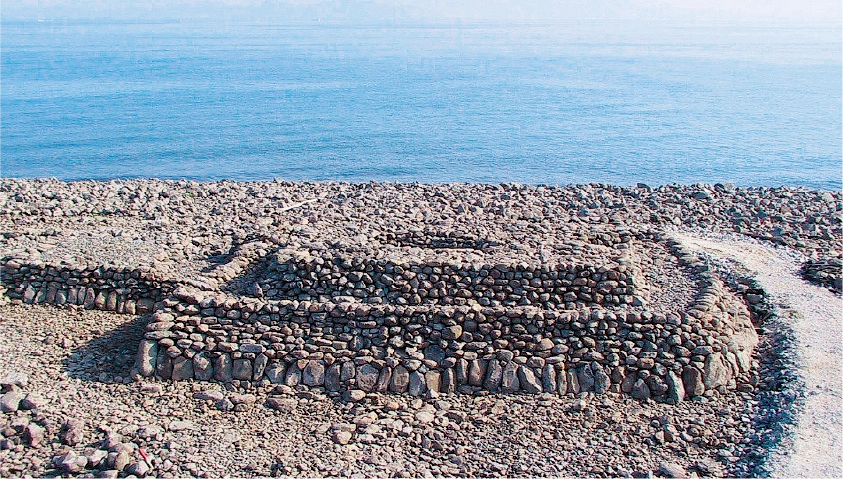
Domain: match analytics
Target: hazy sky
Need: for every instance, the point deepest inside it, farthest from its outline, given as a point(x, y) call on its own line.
point(790, 12)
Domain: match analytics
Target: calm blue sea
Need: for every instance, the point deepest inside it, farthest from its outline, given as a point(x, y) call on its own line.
point(555, 104)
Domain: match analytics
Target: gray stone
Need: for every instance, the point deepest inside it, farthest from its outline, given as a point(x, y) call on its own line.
point(182, 369)
point(313, 373)
point(434, 353)
point(209, 395)
point(586, 377)
point(384, 378)
point(242, 369)
point(70, 462)
point(72, 432)
point(16, 379)
point(223, 368)
point(528, 381)
point(95, 457)
point(545, 344)
point(640, 390)
point(33, 434)
point(494, 376)
point(33, 401)
point(448, 381)
point(509, 381)
point(332, 377)
point(147, 355)
point(293, 377)
point(461, 372)
point(692, 381)
point(400, 380)
point(10, 402)
point(476, 372)
point(347, 371)
point(675, 388)
point(602, 382)
point(341, 437)
point(252, 348)
point(353, 395)
point(282, 404)
point(432, 380)
point(562, 381)
point(549, 384)
point(671, 469)
point(416, 386)
point(203, 370)
point(275, 372)
point(367, 377)
point(716, 372)
point(261, 360)
point(573, 380)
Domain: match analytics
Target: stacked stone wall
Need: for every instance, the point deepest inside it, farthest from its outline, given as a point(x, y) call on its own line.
point(416, 349)
point(123, 290)
point(380, 281)
point(203, 335)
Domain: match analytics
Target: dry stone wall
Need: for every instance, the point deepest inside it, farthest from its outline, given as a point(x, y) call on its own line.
point(124, 290)
point(416, 349)
point(205, 334)
point(380, 281)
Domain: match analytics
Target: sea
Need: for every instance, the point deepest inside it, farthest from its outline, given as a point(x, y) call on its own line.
point(538, 103)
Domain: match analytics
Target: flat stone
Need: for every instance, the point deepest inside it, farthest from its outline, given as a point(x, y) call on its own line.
point(180, 425)
point(10, 402)
point(528, 381)
point(276, 372)
point(209, 395)
point(671, 469)
point(424, 417)
point(282, 404)
point(353, 395)
point(16, 379)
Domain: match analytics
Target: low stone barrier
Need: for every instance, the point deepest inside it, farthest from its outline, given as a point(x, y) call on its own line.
point(203, 335)
point(307, 277)
point(123, 290)
point(414, 349)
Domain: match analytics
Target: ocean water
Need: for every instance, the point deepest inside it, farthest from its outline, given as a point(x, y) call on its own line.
point(559, 103)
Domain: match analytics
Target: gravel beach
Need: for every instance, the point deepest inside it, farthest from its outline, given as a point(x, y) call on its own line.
point(586, 285)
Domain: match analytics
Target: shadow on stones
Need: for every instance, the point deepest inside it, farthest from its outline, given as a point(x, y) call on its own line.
point(108, 357)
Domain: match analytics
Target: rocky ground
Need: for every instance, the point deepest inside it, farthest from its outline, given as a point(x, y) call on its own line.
point(69, 405)
point(78, 412)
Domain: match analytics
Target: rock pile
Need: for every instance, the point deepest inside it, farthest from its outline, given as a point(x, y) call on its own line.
point(826, 272)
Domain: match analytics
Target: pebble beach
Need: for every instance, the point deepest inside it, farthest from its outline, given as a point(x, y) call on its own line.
point(186, 258)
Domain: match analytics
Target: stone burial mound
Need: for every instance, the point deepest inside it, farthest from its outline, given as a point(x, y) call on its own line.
point(424, 312)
